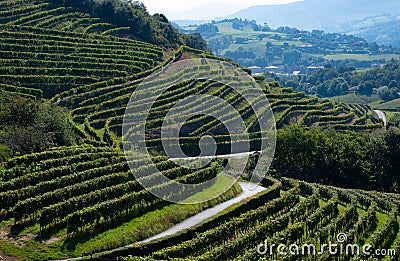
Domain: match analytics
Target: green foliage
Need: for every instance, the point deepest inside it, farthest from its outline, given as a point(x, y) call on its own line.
point(291, 57)
point(5, 153)
point(60, 49)
point(388, 94)
point(47, 60)
point(207, 30)
point(225, 220)
point(303, 214)
point(81, 191)
point(194, 41)
point(331, 81)
point(349, 159)
point(154, 29)
point(249, 44)
point(28, 126)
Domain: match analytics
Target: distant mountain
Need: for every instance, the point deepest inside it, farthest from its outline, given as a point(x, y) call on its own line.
point(289, 50)
point(181, 23)
point(327, 15)
point(383, 29)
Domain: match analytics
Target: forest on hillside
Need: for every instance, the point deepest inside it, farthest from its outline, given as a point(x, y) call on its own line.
point(331, 81)
point(134, 15)
point(290, 49)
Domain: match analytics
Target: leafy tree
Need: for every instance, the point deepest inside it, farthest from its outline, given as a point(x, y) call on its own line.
point(392, 142)
point(291, 57)
point(237, 24)
point(155, 29)
point(207, 30)
point(387, 94)
point(17, 110)
point(350, 159)
point(195, 41)
point(5, 153)
point(394, 84)
point(366, 88)
point(243, 56)
point(331, 81)
point(28, 126)
point(337, 86)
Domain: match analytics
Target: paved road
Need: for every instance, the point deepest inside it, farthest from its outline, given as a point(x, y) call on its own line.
point(236, 155)
point(248, 190)
point(381, 116)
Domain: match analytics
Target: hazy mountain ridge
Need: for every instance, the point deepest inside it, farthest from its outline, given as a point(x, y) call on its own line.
point(383, 29)
point(289, 49)
point(329, 15)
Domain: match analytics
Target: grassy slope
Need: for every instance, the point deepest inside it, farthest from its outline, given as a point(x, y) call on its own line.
point(374, 101)
point(26, 247)
point(364, 57)
point(225, 29)
point(381, 215)
point(353, 98)
point(394, 104)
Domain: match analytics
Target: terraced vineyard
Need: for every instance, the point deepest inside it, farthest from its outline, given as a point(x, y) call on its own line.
point(94, 76)
point(287, 213)
point(70, 193)
point(99, 111)
point(67, 201)
point(46, 62)
point(50, 15)
point(75, 192)
point(297, 108)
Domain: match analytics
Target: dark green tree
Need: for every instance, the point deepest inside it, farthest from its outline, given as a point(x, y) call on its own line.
point(28, 126)
point(291, 57)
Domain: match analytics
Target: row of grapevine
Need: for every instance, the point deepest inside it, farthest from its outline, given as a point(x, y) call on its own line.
point(285, 220)
point(43, 14)
point(75, 189)
point(56, 62)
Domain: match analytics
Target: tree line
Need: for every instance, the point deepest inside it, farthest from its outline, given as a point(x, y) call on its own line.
point(28, 126)
point(344, 159)
point(154, 29)
point(330, 81)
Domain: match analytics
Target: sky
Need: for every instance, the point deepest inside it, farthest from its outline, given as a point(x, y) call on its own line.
point(203, 9)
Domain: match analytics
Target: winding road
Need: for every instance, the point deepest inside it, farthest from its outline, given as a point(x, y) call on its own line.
point(248, 190)
point(235, 156)
point(381, 116)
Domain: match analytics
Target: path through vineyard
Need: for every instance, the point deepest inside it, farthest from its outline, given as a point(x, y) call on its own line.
point(235, 156)
point(248, 190)
point(381, 116)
